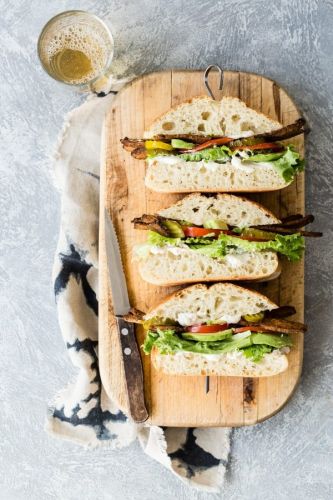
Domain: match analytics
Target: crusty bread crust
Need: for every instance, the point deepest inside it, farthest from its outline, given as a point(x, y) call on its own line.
point(162, 116)
point(233, 364)
point(235, 210)
point(273, 276)
point(237, 103)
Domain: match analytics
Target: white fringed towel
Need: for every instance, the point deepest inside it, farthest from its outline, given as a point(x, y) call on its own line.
point(82, 412)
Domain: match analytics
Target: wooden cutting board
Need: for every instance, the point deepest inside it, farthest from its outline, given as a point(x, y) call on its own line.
point(172, 400)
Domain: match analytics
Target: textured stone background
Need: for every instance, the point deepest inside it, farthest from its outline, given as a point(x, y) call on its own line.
point(289, 456)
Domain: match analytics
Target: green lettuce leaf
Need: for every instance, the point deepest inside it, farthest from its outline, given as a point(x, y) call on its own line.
point(221, 153)
point(150, 339)
point(253, 346)
point(215, 250)
point(288, 164)
point(291, 245)
point(256, 352)
point(262, 157)
point(158, 240)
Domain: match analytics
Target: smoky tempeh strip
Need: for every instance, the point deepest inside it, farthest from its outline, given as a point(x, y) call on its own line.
point(280, 325)
point(281, 312)
point(151, 222)
point(139, 153)
point(130, 144)
point(292, 130)
point(134, 316)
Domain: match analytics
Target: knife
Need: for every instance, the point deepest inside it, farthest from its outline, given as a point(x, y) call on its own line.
point(126, 331)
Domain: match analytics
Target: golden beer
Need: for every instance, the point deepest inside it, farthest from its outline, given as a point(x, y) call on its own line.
point(76, 48)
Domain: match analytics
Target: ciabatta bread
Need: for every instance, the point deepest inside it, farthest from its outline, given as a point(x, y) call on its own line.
point(208, 177)
point(210, 303)
point(234, 210)
point(204, 116)
point(231, 364)
point(174, 266)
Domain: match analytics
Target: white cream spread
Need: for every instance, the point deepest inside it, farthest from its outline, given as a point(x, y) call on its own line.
point(229, 318)
point(249, 166)
point(165, 159)
point(155, 250)
point(174, 250)
point(237, 163)
point(211, 357)
point(168, 248)
point(187, 319)
point(244, 133)
point(212, 166)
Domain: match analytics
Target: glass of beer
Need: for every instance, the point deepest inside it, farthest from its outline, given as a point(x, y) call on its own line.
point(76, 48)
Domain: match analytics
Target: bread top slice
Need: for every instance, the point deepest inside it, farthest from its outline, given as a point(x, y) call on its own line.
point(234, 210)
point(222, 301)
point(204, 116)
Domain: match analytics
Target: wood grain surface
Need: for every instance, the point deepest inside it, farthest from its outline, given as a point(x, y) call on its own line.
point(181, 401)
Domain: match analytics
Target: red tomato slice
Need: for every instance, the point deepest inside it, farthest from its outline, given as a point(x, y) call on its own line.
point(212, 142)
point(196, 232)
point(207, 328)
point(265, 145)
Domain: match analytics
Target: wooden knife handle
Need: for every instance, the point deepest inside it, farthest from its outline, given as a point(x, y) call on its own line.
point(133, 370)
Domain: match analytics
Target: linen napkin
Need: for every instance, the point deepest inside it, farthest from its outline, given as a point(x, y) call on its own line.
point(82, 412)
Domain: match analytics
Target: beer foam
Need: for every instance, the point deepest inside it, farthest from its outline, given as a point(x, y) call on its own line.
point(82, 38)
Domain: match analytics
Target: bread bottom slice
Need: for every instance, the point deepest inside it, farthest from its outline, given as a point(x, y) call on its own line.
point(189, 266)
point(190, 176)
point(231, 364)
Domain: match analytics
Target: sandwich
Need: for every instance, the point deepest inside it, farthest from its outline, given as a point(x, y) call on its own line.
point(217, 238)
point(222, 330)
point(217, 146)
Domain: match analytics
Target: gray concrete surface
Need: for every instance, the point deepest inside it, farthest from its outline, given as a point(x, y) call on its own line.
point(289, 456)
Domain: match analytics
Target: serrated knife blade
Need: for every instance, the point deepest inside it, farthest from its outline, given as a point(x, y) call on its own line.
point(120, 300)
point(126, 331)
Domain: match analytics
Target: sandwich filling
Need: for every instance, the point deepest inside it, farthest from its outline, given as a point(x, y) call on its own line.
point(244, 153)
point(253, 336)
point(215, 239)
point(285, 160)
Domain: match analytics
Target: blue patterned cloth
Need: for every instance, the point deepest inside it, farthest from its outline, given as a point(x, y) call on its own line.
point(82, 412)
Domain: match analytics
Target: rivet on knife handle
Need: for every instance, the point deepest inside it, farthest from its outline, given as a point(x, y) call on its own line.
point(133, 370)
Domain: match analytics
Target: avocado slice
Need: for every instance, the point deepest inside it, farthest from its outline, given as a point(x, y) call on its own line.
point(180, 144)
point(208, 337)
point(276, 341)
point(175, 229)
